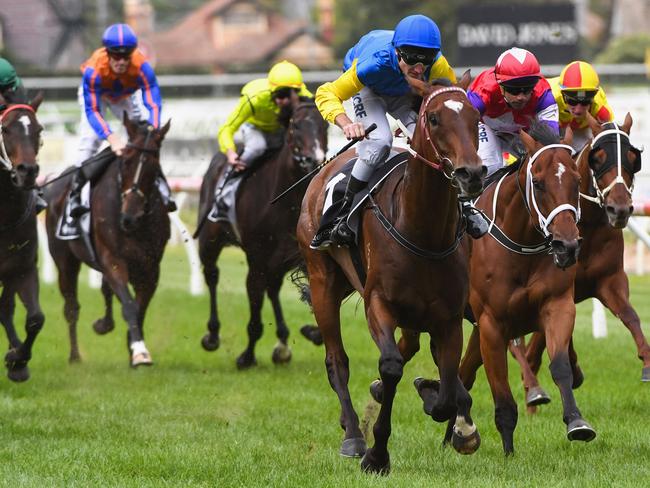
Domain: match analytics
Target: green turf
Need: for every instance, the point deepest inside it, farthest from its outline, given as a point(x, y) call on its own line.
point(194, 420)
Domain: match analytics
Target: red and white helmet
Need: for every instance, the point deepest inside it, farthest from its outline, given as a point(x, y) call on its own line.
point(516, 64)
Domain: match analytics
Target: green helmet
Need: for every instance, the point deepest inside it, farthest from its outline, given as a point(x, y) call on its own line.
point(8, 77)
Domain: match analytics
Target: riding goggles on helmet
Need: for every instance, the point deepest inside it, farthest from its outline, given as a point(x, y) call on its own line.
point(120, 54)
point(413, 57)
point(516, 90)
point(578, 100)
point(281, 93)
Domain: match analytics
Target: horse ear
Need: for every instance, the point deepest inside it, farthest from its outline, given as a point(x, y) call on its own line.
point(465, 80)
point(529, 142)
point(420, 87)
point(627, 124)
point(568, 136)
point(36, 101)
point(594, 125)
point(165, 128)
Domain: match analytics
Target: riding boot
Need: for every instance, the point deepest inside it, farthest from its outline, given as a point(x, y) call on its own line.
point(339, 232)
point(476, 223)
point(76, 208)
point(166, 194)
point(39, 203)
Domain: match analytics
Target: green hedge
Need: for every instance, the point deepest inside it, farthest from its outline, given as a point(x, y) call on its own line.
point(628, 49)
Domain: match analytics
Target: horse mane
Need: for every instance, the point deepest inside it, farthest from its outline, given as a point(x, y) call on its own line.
point(542, 133)
point(284, 117)
point(441, 82)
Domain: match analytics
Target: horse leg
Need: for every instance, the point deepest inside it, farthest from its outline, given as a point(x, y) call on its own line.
point(106, 324)
point(7, 309)
point(281, 351)
point(68, 267)
point(494, 354)
point(209, 251)
point(17, 358)
point(615, 295)
point(558, 318)
point(255, 285)
point(535, 351)
point(408, 345)
point(382, 323)
point(144, 287)
point(535, 394)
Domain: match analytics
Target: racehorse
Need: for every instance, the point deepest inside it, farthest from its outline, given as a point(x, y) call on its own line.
point(514, 286)
point(20, 137)
point(129, 227)
point(606, 189)
point(416, 274)
point(266, 231)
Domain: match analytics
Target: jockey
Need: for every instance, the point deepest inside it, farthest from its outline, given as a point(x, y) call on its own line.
point(577, 91)
point(508, 97)
point(111, 78)
point(256, 118)
point(375, 71)
point(13, 91)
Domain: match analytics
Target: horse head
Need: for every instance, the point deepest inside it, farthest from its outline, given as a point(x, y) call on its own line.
point(613, 161)
point(552, 190)
point(306, 135)
point(20, 140)
point(447, 133)
point(139, 167)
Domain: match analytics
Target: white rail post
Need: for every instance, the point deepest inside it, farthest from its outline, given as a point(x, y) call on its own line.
point(48, 270)
point(196, 277)
point(598, 319)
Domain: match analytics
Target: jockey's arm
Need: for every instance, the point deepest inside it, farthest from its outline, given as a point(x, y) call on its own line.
point(441, 69)
point(150, 93)
point(547, 111)
point(242, 112)
point(91, 88)
point(601, 109)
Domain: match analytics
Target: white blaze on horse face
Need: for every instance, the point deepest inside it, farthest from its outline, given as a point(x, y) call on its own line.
point(454, 105)
point(560, 171)
point(319, 154)
point(24, 119)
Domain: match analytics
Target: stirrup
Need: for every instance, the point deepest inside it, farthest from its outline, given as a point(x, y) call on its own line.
point(170, 206)
point(342, 235)
point(476, 225)
point(322, 240)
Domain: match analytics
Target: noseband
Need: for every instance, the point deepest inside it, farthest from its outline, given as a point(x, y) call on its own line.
point(4, 156)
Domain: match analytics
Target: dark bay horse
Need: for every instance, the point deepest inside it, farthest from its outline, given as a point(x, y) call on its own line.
point(606, 191)
point(522, 276)
point(267, 232)
point(129, 228)
point(20, 136)
point(417, 275)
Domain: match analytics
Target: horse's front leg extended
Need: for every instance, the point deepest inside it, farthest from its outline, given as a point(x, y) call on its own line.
point(211, 242)
point(281, 351)
point(382, 324)
point(255, 285)
point(535, 394)
point(557, 319)
point(105, 324)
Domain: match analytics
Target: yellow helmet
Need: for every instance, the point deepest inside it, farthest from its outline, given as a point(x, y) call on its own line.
point(579, 76)
point(284, 74)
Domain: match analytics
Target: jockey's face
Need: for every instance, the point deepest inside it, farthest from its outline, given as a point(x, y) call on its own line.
point(578, 106)
point(414, 71)
point(285, 96)
point(518, 97)
point(119, 64)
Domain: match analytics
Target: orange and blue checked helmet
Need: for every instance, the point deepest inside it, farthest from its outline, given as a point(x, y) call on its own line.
point(579, 79)
point(119, 39)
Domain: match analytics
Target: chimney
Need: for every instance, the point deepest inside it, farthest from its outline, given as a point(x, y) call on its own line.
point(139, 14)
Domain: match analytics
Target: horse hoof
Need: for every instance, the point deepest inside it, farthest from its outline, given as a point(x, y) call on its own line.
point(645, 374)
point(377, 391)
point(537, 396)
point(281, 354)
point(428, 391)
point(141, 359)
point(580, 430)
point(103, 326)
point(210, 344)
point(371, 465)
point(466, 445)
point(312, 334)
point(578, 378)
point(245, 362)
point(354, 448)
point(74, 359)
point(18, 375)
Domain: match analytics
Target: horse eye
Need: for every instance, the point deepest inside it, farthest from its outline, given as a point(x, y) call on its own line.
point(433, 119)
point(539, 185)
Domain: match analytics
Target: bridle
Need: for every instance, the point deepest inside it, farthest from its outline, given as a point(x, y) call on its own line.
point(5, 160)
point(305, 163)
point(144, 150)
point(599, 199)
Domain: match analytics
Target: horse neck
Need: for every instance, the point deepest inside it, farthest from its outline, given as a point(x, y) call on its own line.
point(12, 199)
point(512, 213)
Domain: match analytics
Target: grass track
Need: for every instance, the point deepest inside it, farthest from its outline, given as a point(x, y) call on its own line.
point(194, 420)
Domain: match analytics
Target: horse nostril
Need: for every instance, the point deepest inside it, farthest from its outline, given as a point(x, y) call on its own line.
point(631, 209)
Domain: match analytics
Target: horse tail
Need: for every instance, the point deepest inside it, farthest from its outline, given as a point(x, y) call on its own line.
point(296, 263)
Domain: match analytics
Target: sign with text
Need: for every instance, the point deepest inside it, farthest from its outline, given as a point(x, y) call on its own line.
point(548, 31)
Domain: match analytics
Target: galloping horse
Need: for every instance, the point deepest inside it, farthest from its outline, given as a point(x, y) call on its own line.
point(607, 166)
point(267, 232)
point(19, 145)
point(416, 273)
point(515, 288)
point(129, 227)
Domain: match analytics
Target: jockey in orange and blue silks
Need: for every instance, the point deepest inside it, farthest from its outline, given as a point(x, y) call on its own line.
point(508, 97)
point(374, 77)
point(112, 77)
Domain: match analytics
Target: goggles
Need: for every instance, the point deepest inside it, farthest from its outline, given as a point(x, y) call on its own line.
point(413, 58)
point(516, 90)
point(282, 93)
point(120, 53)
point(571, 100)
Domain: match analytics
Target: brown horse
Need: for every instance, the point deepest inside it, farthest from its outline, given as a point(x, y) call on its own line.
point(129, 227)
point(515, 288)
point(20, 135)
point(416, 272)
point(606, 190)
point(266, 231)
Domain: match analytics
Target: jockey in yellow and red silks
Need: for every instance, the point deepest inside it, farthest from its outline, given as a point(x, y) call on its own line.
point(577, 92)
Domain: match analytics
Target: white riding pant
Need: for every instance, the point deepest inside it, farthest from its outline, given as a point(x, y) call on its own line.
point(492, 145)
point(256, 141)
point(369, 108)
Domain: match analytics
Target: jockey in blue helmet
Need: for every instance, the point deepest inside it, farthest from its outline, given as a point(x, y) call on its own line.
point(375, 77)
